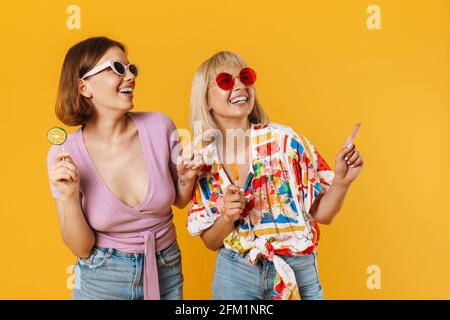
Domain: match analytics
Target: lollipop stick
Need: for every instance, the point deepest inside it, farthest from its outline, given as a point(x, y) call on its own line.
point(64, 150)
point(235, 171)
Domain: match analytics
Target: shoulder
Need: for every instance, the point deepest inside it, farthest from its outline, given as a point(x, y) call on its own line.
point(293, 141)
point(288, 134)
point(281, 129)
point(155, 119)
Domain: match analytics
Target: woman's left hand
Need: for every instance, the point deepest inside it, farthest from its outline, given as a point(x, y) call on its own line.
point(349, 161)
point(189, 163)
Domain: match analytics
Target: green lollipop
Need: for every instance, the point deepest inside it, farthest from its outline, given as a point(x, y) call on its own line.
point(57, 136)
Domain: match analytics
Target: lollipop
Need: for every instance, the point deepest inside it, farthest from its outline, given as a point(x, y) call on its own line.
point(57, 136)
point(234, 169)
point(235, 172)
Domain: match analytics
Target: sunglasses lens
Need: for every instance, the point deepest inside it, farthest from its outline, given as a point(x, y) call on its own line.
point(247, 76)
point(120, 68)
point(133, 69)
point(225, 81)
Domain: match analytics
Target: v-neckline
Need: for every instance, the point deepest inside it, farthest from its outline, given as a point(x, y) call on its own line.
point(221, 167)
point(143, 139)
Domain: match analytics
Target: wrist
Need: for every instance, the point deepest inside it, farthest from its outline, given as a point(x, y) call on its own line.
point(341, 184)
point(75, 196)
point(186, 181)
point(227, 219)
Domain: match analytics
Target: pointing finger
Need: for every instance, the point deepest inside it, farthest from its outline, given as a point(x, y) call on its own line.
point(352, 135)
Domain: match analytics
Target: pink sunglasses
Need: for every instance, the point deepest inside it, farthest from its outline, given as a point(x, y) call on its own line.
point(116, 66)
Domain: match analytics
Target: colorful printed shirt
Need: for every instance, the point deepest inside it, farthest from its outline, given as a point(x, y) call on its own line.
point(286, 175)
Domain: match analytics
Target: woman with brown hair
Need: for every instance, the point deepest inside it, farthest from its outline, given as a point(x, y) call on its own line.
point(115, 183)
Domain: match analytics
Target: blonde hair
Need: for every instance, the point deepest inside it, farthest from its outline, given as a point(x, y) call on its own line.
point(199, 93)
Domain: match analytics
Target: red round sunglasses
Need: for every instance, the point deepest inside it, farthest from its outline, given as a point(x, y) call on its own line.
point(225, 81)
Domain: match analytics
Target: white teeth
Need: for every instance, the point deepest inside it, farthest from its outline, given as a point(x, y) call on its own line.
point(126, 90)
point(239, 100)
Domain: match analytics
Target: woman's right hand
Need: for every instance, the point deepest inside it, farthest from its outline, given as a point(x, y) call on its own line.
point(234, 204)
point(64, 176)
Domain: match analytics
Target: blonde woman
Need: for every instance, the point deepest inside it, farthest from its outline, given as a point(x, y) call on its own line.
point(260, 203)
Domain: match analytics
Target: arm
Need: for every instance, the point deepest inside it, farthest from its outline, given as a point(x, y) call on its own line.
point(326, 207)
point(349, 163)
point(184, 189)
point(214, 236)
point(189, 164)
point(75, 231)
point(234, 203)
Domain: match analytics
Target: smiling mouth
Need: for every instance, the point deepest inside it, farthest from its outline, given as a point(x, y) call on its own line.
point(127, 91)
point(238, 100)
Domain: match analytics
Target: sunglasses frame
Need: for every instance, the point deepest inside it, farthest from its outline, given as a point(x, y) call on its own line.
point(110, 64)
point(222, 74)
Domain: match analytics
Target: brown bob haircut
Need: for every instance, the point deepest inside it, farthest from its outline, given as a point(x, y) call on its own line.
point(71, 107)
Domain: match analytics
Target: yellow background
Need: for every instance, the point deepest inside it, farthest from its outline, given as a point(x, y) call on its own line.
point(320, 71)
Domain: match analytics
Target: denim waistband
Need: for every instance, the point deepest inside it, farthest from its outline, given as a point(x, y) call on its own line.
point(119, 253)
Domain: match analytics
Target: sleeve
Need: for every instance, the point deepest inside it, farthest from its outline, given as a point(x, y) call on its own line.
point(51, 159)
point(326, 175)
point(312, 173)
point(200, 216)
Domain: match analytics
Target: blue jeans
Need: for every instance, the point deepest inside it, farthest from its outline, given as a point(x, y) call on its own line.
point(235, 278)
point(110, 274)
